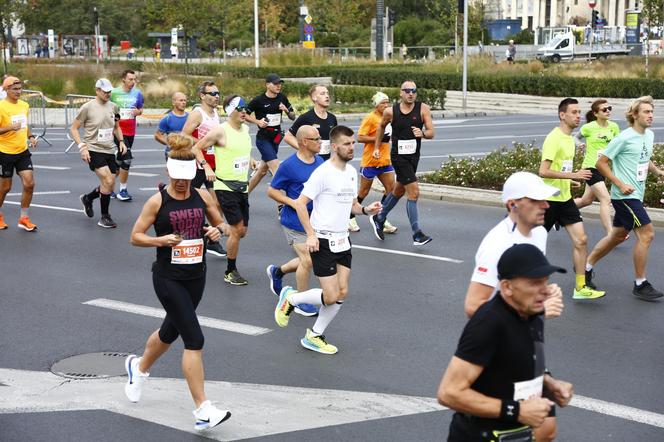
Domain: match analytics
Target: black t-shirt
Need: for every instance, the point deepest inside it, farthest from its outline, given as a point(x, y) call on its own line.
point(312, 119)
point(509, 348)
point(265, 107)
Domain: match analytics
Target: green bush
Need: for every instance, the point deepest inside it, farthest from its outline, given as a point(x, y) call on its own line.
point(491, 171)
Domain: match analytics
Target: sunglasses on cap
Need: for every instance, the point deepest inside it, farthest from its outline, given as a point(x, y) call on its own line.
point(213, 93)
point(410, 90)
point(607, 109)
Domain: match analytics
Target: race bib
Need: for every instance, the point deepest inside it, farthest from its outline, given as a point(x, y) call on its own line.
point(273, 119)
point(241, 165)
point(21, 119)
point(339, 244)
point(567, 166)
point(105, 135)
point(407, 147)
point(526, 389)
point(189, 251)
point(600, 153)
point(642, 171)
point(324, 147)
point(126, 114)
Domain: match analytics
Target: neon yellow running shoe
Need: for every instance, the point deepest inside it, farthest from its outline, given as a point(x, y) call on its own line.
point(588, 293)
point(317, 344)
point(284, 308)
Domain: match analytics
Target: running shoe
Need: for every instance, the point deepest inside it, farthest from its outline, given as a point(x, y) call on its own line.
point(317, 343)
point(113, 195)
point(87, 206)
point(25, 224)
point(589, 279)
point(107, 222)
point(377, 227)
point(3, 224)
point(646, 292)
point(135, 378)
point(389, 228)
point(284, 308)
point(215, 248)
point(587, 293)
point(124, 195)
point(234, 278)
point(420, 238)
point(275, 281)
point(353, 226)
point(306, 309)
point(208, 416)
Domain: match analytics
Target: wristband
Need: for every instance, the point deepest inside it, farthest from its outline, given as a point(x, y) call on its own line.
point(121, 141)
point(364, 212)
point(81, 145)
point(31, 136)
point(509, 411)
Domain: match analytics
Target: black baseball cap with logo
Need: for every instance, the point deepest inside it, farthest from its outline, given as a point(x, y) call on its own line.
point(526, 261)
point(273, 78)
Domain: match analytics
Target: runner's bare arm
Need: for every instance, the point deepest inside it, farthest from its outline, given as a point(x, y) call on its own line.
point(428, 131)
point(193, 121)
point(280, 197)
point(371, 209)
point(160, 137)
point(652, 168)
point(476, 295)
point(118, 134)
point(546, 172)
point(291, 140)
point(252, 119)
point(605, 169)
point(145, 220)
point(455, 390)
point(387, 119)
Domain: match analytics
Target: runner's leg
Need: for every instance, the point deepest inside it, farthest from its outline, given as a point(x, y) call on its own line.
point(600, 192)
point(644, 237)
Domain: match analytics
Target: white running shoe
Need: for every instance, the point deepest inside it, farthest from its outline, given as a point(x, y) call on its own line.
point(135, 378)
point(208, 416)
point(389, 228)
point(353, 226)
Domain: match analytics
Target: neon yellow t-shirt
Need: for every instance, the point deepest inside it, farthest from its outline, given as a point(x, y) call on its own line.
point(559, 148)
point(597, 138)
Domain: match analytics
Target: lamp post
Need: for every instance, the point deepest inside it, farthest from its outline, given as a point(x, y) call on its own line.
point(256, 55)
point(97, 48)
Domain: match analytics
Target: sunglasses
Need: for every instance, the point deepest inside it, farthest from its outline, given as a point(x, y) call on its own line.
point(314, 139)
point(213, 93)
point(607, 109)
point(241, 108)
point(410, 90)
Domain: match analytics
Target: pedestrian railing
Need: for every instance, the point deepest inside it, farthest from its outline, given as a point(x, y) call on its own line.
point(37, 113)
point(73, 103)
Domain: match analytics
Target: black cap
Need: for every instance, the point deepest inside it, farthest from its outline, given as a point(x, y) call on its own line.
point(527, 261)
point(273, 78)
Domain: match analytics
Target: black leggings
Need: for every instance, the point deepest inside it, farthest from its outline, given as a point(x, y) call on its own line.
point(180, 299)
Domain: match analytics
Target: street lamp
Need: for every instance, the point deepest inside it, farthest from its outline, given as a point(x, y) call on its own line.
point(97, 48)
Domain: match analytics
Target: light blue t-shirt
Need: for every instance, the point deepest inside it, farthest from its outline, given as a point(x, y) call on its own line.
point(290, 177)
point(630, 153)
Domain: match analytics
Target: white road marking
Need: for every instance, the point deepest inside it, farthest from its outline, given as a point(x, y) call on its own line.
point(399, 252)
point(457, 154)
point(219, 324)
point(143, 174)
point(37, 166)
point(42, 206)
point(148, 189)
point(617, 410)
point(50, 192)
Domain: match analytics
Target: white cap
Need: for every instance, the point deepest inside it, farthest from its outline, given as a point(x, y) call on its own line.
point(527, 185)
point(181, 170)
point(378, 98)
point(104, 84)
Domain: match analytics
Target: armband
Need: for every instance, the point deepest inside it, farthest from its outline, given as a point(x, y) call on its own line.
point(509, 411)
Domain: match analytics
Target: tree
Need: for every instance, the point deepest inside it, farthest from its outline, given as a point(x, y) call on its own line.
point(653, 12)
point(271, 17)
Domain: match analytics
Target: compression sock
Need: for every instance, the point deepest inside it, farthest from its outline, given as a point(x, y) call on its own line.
point(104, 202)
point(93, 195)
point(390, 202)
point(325, 315)
point(231, 265)
point(411, 210)
point(123, 187)
point(311, 296)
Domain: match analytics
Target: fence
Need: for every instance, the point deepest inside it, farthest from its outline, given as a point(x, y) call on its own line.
point(37, 114)
point(74, 102)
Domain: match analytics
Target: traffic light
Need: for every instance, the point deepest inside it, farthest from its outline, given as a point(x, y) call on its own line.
point(595, 18)
point(392, 18)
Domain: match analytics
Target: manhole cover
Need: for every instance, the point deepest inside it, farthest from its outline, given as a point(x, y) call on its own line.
point(91, 365)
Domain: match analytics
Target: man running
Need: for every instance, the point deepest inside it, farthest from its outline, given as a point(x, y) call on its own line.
point(178, 214)
point(129, 100)
point(99, 119)
point(317, 117)
point(376, 162)
point(557, 170)
point(14, 153)
point(173, 121)
point(333, 189)
point(201, 120)
point(267, 109)
point(232, 151)
point(630, 154)
point(411, 121)
point(285, 188)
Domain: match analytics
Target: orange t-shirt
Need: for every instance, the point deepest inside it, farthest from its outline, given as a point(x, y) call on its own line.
point(368, 128)
point(14, 142)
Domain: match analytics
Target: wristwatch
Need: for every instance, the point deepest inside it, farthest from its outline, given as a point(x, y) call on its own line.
point(203, 163)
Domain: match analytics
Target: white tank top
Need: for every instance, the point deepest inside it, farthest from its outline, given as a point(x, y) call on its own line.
point(207, 124)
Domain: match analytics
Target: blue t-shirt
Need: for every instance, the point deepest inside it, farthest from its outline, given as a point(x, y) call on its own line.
point(172, 123)
point(290, 177)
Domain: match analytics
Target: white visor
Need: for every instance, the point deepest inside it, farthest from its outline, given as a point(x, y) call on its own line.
point(181, 170)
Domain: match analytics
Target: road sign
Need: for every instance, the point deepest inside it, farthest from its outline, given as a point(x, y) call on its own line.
point(308, 37)
point(308, 29)
point(308, 19)
point(592, 3)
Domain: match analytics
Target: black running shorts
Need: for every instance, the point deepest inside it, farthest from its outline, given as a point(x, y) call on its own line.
point(405, 167)
point(10, 162)
point(561, 212)
point(234, 205)
point(630, 214)
point(99, 160)
point(124, 160)
point(325, 261)
point(596, 178)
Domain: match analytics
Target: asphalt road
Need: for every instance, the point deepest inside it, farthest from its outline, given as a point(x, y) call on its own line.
point(396, 332)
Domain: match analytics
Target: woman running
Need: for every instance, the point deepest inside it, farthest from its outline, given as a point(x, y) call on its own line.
point(178, 213)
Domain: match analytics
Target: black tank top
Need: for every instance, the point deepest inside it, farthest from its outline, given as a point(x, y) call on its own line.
point(401, 126)
point(185, 217)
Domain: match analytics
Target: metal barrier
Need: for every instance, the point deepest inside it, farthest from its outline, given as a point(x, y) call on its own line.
point(37, 113)
point(74, 102)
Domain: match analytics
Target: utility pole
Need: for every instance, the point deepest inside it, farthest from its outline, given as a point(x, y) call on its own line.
point(97, 37)
point(380, 36)
point(465, 54)
point(256, 54)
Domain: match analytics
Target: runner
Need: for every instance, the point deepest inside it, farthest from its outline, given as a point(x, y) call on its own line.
point(597, 132)
point(267, 109)
point(630, 154)
point(285, 188)
point(333, 189)
point(376, 162)
point(411, 121)
point(14, 153)
point(174, 120)
point(178, 213)
point(99, 119)
point(497, 381)
point(130, 101)
point(556, 169)
point(232, 151)
point(200, 121)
